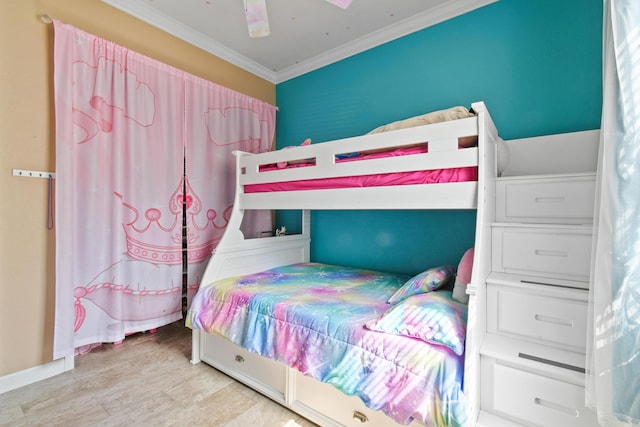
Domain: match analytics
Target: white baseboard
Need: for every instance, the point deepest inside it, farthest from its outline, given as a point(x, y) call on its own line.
point(35, 374)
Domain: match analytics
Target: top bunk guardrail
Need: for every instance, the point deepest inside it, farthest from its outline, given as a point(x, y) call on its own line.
point(260, 184)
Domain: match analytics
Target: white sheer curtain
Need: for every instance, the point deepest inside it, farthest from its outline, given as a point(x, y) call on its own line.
point(123, 125)
point(613, 378)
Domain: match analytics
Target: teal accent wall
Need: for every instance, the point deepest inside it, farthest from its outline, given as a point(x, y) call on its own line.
point(535, 63)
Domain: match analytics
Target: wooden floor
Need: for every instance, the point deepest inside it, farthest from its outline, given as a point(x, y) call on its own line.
point(146, 381)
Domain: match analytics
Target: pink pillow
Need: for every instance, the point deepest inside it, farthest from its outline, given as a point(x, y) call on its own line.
point(463, 277)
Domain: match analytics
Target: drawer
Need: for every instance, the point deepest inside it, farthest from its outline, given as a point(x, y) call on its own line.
point(265, 375)
point(536, 400)
point(326, 401)
point(555, 320)
point(547, 199)
point(543, 251)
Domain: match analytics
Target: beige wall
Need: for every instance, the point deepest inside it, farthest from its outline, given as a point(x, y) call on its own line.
point(27, 248)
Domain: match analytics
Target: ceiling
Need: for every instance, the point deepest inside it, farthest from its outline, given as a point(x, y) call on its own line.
point(305, 34)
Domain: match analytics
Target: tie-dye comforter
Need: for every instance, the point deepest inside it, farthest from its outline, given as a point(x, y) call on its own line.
point(312, 316)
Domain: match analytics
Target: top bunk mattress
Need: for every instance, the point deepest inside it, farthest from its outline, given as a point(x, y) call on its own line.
point(447, 175)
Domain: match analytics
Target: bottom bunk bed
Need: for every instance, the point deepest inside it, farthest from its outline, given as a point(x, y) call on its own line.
point(344, 346)
point(361, 331)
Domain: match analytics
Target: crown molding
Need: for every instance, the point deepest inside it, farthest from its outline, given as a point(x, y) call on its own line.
point(405, 27)
point(152, 17)
point(418, 22)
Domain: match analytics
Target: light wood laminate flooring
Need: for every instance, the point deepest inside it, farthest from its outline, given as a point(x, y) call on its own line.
point(146, 381)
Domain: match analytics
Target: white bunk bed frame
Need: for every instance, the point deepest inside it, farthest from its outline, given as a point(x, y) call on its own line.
point(237, 255)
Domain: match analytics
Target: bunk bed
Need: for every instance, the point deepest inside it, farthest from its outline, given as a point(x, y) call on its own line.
point(337, 367)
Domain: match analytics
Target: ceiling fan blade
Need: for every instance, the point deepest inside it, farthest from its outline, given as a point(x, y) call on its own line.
point(341, 3)
point(257, 18)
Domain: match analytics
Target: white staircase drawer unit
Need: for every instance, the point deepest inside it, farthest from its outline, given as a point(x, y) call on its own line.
point(555, 321)
point(537, 400)
point(546, 199)
point(554, 252)
point(259, 372)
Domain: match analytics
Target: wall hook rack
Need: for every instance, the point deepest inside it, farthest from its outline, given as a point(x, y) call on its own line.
point(33, 174)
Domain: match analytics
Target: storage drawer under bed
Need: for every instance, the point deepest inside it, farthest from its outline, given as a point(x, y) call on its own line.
point(265, 375)
point(324, 400)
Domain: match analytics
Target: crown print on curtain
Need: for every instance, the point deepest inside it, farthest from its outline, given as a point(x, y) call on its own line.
point(121, 129)
point(219, 121)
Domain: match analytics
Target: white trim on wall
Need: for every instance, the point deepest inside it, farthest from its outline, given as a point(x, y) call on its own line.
point(434, 16)
point(403, 28)
point(174, 27)
point(35, 374)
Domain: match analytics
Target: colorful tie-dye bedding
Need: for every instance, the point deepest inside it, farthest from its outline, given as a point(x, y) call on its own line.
point(311, 317)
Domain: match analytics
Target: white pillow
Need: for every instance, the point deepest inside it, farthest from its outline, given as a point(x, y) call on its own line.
point(453, 113)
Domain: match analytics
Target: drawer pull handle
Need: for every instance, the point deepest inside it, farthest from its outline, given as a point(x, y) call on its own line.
point(543, 252)
point(556, 406)
point(360, 416)
point(551, 362)
point(533, 282)
point(239, 358)
point(559, 199)
point(551, 319)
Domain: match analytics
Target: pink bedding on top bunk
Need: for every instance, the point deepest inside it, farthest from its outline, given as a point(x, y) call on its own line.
point(375, 180)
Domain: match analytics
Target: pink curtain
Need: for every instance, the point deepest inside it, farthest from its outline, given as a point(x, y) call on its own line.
point(218, 121)
point(122, 128)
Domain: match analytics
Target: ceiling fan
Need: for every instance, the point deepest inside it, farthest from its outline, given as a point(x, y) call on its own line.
point(258, 21)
